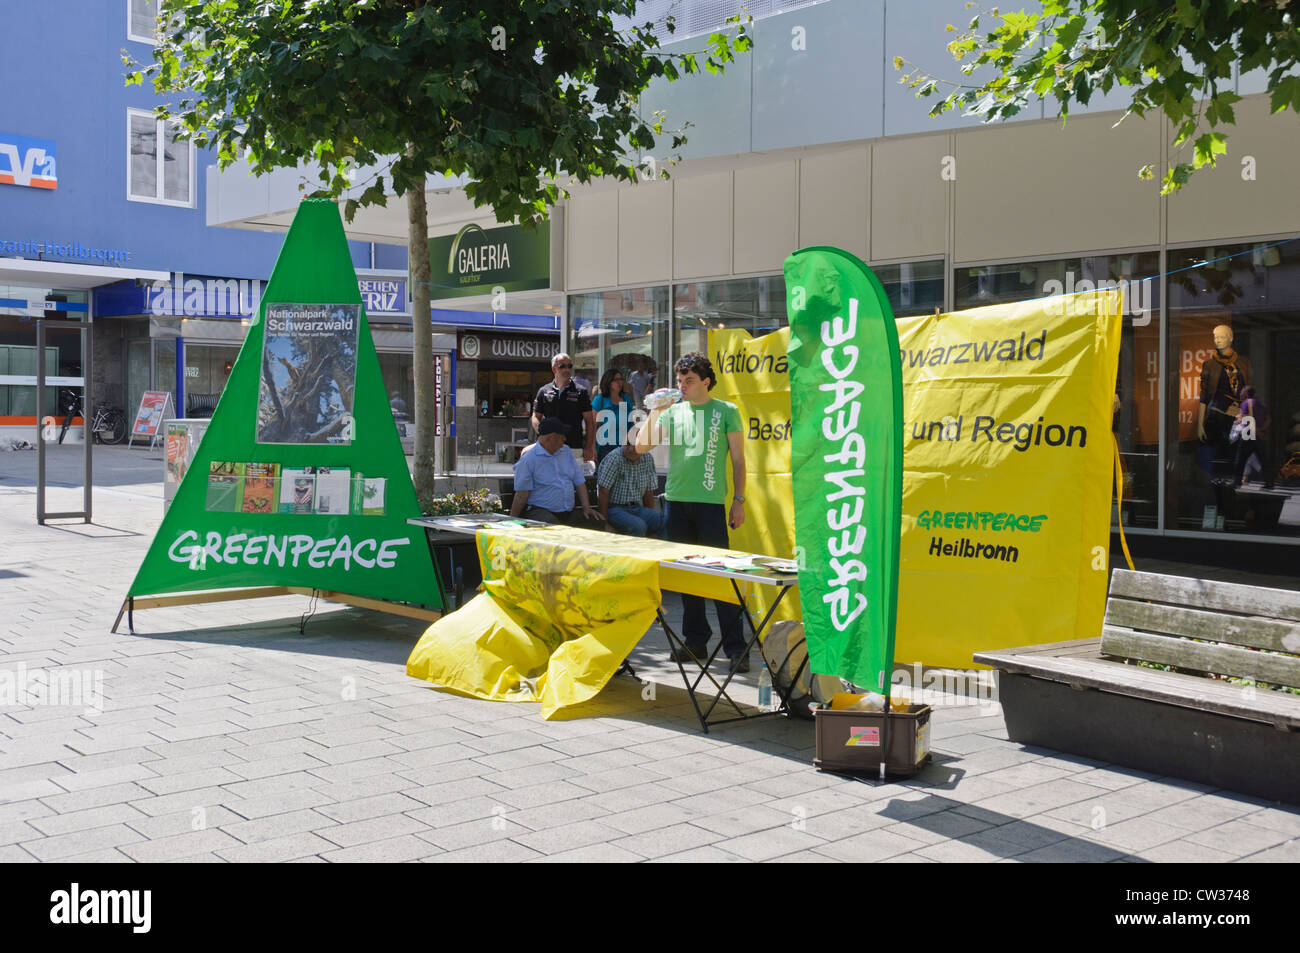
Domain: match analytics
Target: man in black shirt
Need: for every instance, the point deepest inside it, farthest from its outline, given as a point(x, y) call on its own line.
point(565, 399)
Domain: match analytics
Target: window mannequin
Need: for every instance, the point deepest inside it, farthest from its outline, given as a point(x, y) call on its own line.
point(1223, 376)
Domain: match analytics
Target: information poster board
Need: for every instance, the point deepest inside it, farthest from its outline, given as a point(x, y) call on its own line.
point(148, 419)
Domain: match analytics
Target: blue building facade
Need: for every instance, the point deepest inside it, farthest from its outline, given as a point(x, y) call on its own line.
point(103, 222)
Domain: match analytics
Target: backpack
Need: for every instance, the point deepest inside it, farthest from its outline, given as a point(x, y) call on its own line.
point(786, 654)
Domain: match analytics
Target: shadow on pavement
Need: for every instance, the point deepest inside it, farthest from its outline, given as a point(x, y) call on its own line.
point(1004, 835)
point(92, 530)
point(336, 633)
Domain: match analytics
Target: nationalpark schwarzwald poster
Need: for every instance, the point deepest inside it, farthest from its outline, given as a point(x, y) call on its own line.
point(309, 373)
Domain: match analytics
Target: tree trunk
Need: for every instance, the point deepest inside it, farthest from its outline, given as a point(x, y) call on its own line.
point(426, 407)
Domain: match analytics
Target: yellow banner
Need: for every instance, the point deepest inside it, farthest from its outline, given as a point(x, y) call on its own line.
point(1007, 462)
point(560, 611)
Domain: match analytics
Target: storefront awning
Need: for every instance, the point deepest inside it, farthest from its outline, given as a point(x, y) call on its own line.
point(69, 277)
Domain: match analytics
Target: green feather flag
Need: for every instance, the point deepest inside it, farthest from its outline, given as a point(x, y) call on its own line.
point(847, 461)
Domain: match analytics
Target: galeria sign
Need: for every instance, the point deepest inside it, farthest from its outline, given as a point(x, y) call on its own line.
point(479, 260)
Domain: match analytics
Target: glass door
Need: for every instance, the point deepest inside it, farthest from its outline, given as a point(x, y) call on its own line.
point(164, 372)
point(138, 376)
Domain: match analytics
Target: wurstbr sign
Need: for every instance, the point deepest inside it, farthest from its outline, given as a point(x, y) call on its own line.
point(477, 346)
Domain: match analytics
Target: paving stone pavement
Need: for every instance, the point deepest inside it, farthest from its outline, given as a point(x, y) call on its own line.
point(225, 735)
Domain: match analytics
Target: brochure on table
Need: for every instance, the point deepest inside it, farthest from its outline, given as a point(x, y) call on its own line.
point(300, 479)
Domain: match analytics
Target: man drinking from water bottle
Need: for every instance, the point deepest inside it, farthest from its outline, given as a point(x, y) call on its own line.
point(702, 434)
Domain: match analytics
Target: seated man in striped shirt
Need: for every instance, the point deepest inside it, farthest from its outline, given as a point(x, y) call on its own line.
point(625, 487)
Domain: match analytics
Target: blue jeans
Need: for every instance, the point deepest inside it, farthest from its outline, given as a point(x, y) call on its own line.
point(634, 520)
point(706, 524)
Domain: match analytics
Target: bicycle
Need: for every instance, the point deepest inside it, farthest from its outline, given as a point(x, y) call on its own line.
point(107, 426)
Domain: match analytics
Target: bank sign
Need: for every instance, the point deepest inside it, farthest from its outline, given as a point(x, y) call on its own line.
point(32, 163)
point(479, 261)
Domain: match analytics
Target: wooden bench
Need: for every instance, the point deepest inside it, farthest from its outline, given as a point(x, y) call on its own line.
point(1090, 697)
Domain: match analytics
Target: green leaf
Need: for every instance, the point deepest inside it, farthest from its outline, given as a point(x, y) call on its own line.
point(1207, 146)
point(1285, 94)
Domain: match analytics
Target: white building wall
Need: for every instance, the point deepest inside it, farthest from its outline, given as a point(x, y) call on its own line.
point(1015, 191)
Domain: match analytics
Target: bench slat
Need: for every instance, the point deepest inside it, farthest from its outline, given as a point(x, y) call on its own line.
point(1072, 647)
point(1206, 594)
point(1271, 634)
point(1201, 656)
point(1173, 688)
point(1087, 648)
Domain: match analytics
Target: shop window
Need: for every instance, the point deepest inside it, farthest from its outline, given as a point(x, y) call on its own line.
point(142, 20)
point(397, 371)
point(207, 368)
point(756, 305)
point(627, 329)
point(23, 306)
point(913, 287)
point(1234, 321)
point(630, 329)
point(160, 167)
point(509, 393)
point(20, 400)
point(1136, 418)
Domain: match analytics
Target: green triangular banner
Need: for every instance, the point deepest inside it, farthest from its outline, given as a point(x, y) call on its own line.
point(300, 479)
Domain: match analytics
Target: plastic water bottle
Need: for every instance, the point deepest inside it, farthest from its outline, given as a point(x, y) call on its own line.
point(765, 689)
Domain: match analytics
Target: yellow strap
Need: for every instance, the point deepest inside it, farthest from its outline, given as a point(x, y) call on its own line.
point(1119, 501)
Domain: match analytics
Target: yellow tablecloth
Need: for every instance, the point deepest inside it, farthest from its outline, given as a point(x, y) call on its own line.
point(560, 611)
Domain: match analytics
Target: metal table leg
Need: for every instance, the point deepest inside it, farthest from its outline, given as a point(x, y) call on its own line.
point(675, 641)
point(692, 687)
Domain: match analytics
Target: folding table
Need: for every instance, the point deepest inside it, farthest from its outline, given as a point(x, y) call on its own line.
point(783, 582)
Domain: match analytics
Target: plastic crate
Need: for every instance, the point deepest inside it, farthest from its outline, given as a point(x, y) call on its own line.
point(849, 740)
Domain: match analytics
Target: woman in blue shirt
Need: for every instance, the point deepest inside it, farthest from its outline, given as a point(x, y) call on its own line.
point(613, 413)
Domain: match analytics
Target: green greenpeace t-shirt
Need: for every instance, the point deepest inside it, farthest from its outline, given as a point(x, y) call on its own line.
point(698, 450)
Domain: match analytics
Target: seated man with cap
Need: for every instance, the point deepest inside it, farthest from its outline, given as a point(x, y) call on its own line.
point(547, 478)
